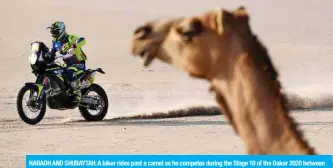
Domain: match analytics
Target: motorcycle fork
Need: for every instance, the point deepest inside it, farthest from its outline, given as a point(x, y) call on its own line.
point(40, 84)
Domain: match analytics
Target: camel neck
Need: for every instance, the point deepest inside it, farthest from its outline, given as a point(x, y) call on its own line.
point(258, 113)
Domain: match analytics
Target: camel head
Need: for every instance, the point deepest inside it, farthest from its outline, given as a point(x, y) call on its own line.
point(218, 46)
point(195, 44)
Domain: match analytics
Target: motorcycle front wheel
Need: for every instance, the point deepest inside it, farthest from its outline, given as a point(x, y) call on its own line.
point(35, 108)
point(101, 108)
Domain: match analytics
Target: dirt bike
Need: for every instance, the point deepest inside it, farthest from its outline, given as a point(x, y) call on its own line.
point(51, 88)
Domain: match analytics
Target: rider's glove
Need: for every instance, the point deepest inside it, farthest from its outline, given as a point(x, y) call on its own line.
point(49, 56)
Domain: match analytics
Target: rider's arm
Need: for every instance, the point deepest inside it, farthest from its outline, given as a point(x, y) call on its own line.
point(51, 52)
point(81, 41)
point(53, 49)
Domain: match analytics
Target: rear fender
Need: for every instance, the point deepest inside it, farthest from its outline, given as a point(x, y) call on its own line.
point(89, 78)
point(100, 70)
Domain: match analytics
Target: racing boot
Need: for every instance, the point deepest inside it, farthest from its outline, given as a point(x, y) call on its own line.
point(77, 95)
point(76, 91)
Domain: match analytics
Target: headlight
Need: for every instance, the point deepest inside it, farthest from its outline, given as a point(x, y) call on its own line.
point(33, 58)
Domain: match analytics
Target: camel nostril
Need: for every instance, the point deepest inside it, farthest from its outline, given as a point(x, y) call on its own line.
point(143, 31)
point(147, 29)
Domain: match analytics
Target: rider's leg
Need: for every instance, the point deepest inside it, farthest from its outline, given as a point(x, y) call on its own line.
point(74, 72)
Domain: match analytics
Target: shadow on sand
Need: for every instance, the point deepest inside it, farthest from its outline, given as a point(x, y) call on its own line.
point(174, 118)
point(159, 122)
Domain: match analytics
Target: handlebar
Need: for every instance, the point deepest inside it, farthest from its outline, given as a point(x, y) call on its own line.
point(69, 53)
point(57, 56)
point(53, 60)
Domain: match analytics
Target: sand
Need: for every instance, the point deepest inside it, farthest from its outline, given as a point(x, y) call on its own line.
point(297, 33)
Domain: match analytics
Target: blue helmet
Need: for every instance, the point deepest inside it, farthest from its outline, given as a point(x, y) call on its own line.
point(58, 30)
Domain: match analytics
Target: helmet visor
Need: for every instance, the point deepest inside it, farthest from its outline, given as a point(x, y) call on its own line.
point(55, 32)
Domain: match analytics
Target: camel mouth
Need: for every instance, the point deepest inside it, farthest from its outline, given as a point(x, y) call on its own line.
point(147, 57)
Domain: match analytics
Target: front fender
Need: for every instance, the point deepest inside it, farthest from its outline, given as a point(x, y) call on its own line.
point(30, 84)
point(39, 87)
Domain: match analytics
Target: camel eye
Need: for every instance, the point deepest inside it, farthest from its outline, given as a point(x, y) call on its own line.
point(143, 32)
point(194, 28)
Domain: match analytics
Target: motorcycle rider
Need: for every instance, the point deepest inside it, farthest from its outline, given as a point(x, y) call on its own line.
point(69, 46)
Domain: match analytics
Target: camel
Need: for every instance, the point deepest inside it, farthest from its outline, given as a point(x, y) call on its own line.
point(219, 46)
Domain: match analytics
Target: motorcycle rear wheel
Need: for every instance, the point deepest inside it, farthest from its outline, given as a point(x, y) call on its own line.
point(41, 109)
point(104, 103)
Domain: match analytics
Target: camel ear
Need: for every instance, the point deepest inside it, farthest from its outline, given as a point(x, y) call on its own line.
point(241, 8)
point(223, 20)
point(241, 13)
point(227, 18)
